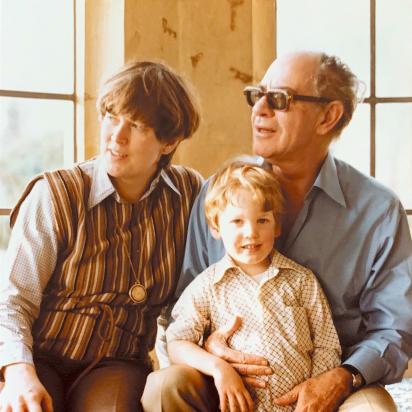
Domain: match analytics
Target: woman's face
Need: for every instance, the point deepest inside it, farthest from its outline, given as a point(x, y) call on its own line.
point(130, 149)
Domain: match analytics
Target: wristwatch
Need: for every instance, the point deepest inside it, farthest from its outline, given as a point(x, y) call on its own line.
point(357, 379)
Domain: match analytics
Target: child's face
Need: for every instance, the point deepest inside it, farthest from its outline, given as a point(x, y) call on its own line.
point(248, 233)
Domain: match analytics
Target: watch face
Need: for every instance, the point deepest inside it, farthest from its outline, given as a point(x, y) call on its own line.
point(356, 380)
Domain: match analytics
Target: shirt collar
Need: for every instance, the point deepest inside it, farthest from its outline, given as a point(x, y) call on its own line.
point(226, 264)
point(328, 181)
point(102, 187)
point(168, 181)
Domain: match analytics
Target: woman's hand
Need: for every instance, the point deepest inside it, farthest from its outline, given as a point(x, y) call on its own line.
point(23, 391)
point(233, 395)
point(245, 364)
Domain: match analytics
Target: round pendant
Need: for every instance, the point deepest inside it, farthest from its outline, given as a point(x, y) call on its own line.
point(137, 293)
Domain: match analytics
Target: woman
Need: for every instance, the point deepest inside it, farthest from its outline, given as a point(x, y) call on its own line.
point(95, 253)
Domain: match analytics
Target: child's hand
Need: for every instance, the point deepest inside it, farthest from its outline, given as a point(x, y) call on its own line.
point(232, 392)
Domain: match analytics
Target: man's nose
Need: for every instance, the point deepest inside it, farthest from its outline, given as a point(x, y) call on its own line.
point(262, 108)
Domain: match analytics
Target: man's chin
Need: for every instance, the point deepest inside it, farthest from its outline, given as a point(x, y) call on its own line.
point(262, 152)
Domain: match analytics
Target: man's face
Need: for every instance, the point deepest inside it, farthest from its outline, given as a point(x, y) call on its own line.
point(280, 136)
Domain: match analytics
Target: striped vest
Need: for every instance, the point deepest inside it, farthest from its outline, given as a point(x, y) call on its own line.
point(86, 311)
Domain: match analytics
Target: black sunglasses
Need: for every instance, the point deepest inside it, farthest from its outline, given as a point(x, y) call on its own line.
point(279, 99)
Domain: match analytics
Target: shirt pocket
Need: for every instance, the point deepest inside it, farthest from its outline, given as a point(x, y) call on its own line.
point(294, 326)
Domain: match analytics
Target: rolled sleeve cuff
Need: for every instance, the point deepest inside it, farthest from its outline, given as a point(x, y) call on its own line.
point(15, 354)
point(369, 363)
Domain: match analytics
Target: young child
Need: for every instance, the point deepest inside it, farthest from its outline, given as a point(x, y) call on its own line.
point(285, 315)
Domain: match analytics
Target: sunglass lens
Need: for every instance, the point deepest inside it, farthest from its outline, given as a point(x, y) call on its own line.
point(252, 96)
point(277, 100)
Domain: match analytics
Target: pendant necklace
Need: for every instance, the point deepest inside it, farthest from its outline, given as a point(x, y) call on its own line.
point(137, 292)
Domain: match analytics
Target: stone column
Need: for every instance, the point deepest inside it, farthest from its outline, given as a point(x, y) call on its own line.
point(103, 31)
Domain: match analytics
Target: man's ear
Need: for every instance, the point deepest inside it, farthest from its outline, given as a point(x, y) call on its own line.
point(330, 117)
point(215, 233)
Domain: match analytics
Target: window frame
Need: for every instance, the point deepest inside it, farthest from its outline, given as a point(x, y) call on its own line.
point(70, 97)
point(372, 100)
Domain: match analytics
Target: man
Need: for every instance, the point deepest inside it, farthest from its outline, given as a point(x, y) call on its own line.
point(350, 230)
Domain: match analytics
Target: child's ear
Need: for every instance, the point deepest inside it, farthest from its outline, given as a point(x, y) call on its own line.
point(278, 230)
point(215, 233)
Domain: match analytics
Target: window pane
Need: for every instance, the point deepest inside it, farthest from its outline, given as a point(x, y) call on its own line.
point(36, 45)
point(394, 149)
point(393, 48)
point(33, 134)
point(4, 238)
point(353, 146)
point(316, 25)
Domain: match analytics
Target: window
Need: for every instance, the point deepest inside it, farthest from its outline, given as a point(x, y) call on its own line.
point(37, 95)
point(373, 37)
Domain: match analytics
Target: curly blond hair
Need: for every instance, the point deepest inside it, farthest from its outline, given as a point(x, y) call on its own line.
point(225, 185)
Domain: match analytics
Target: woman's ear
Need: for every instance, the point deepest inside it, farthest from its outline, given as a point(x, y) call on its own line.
point(170, 147)
point(330, 117)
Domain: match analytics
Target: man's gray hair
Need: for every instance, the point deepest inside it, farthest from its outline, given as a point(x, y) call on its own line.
point(335, 80)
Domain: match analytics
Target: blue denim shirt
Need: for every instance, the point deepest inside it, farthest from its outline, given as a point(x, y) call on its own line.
point(352, 232)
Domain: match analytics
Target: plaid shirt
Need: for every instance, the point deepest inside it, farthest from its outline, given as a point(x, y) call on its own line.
point(285, 318)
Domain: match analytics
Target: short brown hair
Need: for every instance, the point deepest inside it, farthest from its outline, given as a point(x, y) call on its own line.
point(336, 81)
point(154, 94)
point(226, 183)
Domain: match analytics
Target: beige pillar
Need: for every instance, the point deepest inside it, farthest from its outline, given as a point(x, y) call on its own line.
point(215, 53)
point(151, 30)
point(103, 53)
point(263, 36)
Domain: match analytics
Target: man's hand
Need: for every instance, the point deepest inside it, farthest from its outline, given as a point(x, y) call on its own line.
point(23, 390)
point(323, 393)
point(244, 363)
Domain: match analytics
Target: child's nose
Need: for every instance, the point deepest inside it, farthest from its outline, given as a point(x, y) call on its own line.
point(250, 229)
